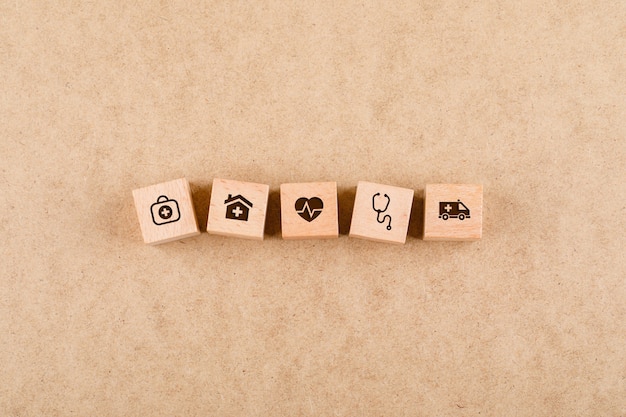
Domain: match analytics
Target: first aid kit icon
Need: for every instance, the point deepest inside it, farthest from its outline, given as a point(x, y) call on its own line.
point(165, 211)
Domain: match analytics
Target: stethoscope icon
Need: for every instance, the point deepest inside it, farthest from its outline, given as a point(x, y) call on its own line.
point(379, 211)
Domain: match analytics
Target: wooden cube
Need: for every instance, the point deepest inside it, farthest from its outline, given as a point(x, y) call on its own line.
point(453, 212)
point(238, 209)
point(309, 210)
point(166, 212)
point(381, 212)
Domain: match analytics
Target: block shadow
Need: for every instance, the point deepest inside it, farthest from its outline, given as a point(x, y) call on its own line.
point(416, 221)
point(201, 194)
point(345, 200)
point(272, 218)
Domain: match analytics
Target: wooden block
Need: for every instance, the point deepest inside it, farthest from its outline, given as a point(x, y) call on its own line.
point(166, 212)
point(381, 212)
point(453, 212)
point(238, 209)
point(309, 210)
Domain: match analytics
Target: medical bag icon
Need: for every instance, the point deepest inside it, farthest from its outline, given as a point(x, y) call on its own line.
point(165, 211)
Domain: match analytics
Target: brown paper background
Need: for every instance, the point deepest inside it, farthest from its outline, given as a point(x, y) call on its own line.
point(526, 98)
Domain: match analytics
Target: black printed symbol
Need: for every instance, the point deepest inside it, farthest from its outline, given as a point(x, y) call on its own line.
point(164, 211)
point(237, 207)
point(309, 208)
point(381, 210)
point(453, 209)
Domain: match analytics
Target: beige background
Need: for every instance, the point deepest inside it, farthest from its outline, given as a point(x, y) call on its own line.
point(100, 98)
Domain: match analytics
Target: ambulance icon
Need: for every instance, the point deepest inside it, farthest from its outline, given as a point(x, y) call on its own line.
point(453, 209)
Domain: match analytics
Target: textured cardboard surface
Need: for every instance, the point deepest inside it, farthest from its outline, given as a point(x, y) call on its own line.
point(101, 98)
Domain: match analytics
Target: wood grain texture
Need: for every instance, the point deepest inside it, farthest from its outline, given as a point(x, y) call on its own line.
point(391, 222)
point(453, 212)
point(166, 212)
point(242, 217)
point(309, 210)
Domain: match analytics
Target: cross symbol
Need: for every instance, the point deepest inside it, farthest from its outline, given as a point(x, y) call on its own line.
point(237, 211)
point(448, 208)
point(165, 212)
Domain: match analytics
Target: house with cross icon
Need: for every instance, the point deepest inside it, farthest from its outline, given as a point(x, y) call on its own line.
point(237, 207)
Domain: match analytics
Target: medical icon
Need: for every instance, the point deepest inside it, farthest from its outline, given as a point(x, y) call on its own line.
point(165, 211)
point(309, 208)
point(380, 210)
point(237, 207)
point(453, 209)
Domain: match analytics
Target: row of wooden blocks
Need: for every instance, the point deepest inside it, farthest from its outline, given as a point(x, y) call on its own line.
point(309, 211)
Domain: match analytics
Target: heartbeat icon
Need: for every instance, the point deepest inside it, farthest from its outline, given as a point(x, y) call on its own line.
point(309, 208)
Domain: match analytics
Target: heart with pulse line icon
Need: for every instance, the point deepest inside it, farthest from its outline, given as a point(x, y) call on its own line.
point(309, 208)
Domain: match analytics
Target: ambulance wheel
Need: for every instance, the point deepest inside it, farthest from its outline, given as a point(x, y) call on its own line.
point(461, 216)
point(445, 216)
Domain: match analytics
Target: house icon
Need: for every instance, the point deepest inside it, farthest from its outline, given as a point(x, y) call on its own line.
point(237, 207)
